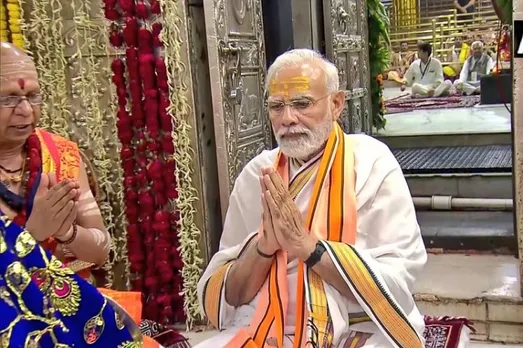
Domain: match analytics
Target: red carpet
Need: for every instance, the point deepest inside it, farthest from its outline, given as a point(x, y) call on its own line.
point(444, 332)
point(405, 103)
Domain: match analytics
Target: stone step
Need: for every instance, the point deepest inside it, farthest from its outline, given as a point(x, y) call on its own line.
point(486, 185)
point(484, 288)
point(482, 231)
point(398, 141)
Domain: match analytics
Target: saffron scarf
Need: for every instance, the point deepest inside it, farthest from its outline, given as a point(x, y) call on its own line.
point(59, 156)
point(332, 217)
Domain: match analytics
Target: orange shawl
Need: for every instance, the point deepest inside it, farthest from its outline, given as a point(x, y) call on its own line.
point(332, 217)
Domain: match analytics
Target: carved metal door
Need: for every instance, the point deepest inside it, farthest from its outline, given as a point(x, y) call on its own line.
point(237, 71)
point(346, 39)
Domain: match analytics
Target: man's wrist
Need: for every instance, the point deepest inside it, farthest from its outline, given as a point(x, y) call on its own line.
point(261, 251)
point(307, 248)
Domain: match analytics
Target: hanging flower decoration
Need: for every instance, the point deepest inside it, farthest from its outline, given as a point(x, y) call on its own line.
point(144, 129)
point(10, 23)
point(3, 23)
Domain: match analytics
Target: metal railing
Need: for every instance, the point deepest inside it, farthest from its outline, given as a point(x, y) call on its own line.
point(442, 29)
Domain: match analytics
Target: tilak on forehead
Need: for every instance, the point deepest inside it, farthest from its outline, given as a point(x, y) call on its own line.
point(296, 84)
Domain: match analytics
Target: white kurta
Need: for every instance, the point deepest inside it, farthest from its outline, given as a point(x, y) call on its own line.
point(470, 86)
point(424, 77)
point(388, 237)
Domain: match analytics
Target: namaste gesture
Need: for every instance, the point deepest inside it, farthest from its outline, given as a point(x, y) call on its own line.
point(283, 223)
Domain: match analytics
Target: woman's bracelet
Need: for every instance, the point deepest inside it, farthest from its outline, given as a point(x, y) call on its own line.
point(72, 237)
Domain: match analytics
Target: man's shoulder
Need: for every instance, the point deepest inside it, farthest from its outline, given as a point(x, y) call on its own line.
point(370, 150)
point(370, 145)
point(264, 159)
point(436, 61)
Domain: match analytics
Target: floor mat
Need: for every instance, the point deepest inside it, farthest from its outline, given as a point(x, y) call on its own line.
point(458, 159)
point(448, 332)
point(405, 103)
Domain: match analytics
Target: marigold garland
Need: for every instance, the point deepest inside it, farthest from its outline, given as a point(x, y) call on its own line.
point(3, 23)
point(144, 130)
point(11, 23)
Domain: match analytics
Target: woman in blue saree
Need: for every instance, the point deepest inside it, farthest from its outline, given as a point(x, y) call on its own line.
point(32, 284)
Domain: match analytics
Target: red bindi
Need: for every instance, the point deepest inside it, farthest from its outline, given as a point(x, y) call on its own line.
point(21, 83)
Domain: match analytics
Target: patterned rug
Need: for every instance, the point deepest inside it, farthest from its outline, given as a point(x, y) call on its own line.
point(167, 337)
point(446, 332)
point(405, 103)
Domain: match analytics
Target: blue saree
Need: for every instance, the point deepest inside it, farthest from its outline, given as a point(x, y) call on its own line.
point(44, 304)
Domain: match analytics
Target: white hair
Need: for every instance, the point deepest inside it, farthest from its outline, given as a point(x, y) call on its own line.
point(296, 57)
point(477, 44)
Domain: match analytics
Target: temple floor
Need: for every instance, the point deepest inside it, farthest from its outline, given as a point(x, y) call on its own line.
point(198, 337)
point(484, 288)
point(477, 119)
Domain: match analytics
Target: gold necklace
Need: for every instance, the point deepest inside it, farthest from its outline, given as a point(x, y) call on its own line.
point(13, 179)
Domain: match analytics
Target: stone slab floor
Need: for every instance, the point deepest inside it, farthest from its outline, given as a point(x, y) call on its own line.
point(197, 337)
point(486, 275)
point(478, 119)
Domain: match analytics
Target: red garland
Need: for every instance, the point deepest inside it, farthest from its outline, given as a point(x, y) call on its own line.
point(146, 154)
point(33, 165)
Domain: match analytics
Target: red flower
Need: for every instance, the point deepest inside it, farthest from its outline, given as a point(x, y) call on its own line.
point(157, 28)
point(110, 3)
point(143, 127)
point(145, 41)
point(127, 6)
point(141, 10)
point(155, 7)
point(111, 14)
point(116, 39)
point(167, 144)
point(130, 31)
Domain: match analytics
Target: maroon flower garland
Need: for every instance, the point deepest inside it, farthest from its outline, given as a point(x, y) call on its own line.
point(144, 129)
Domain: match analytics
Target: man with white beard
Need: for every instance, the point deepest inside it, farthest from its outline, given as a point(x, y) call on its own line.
point(320, 245)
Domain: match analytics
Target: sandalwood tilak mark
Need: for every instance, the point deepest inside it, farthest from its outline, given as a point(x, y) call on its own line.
point(298, 84)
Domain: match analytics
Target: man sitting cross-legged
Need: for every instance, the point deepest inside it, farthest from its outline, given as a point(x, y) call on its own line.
point(478, 65)
point(425, 74)
point(320, 245)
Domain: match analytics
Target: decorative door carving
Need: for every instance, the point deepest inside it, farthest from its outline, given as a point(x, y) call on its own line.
point(346, 39)
point(237, 70)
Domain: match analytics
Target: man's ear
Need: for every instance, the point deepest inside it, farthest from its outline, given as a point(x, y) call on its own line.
point(338, 103)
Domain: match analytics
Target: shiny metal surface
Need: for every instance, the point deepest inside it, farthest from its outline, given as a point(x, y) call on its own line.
point(346, 39)
point(236, 53)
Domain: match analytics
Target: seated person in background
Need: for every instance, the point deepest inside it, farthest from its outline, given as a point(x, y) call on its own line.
point(458, 54)
point(320, 243)
point(400, 63)
point(43, 183)
point(465, 10)
point(425, 74)
point(479, 64)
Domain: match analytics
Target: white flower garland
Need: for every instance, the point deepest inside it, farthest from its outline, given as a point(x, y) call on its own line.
point(98, 127)
point(179, 109)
